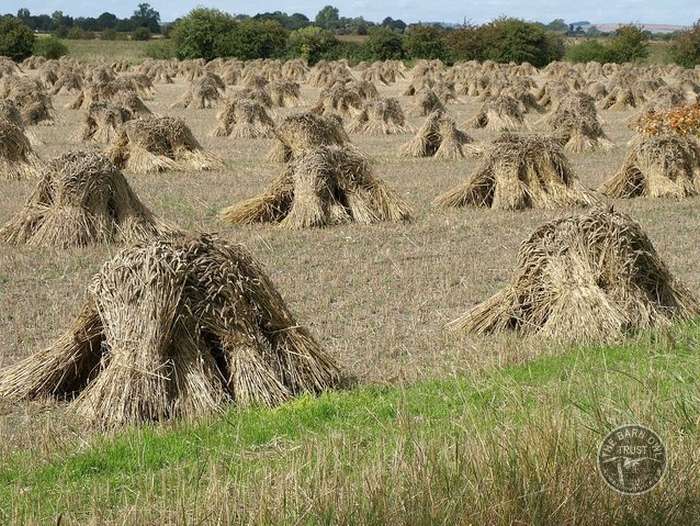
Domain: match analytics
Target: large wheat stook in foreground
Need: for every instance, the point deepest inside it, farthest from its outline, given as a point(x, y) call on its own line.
point(176, 327)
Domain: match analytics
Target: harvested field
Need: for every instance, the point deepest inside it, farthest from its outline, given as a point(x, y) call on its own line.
point(376, 297)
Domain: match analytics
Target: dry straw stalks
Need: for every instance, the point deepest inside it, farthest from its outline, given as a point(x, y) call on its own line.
point(176, 327)
point(584, 278)
point(82, 199)
point(17, 159)
point(521, 171)
point(156, 144)
point(324, 186)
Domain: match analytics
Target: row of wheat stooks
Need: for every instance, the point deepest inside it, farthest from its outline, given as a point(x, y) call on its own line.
point(210, 326)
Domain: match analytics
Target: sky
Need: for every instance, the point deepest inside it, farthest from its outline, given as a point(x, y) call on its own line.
point(681, 12)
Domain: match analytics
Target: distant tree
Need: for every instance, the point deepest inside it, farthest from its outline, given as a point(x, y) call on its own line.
point(298, 21)
point(466, 43)
point(590, 51)
point(630, 44)
point(384, 43)
point(200, 33)
point(426, 42)
point(558, 26)
point(514, 40)
point(396, 25)
point(253, 39)
point(328, 18)
point(107, 20)
point(49, 47)
point(311, 43)
point(16, 39)
point(24, 15)
point(141, 33)
point(146, 16)
point(685, 47)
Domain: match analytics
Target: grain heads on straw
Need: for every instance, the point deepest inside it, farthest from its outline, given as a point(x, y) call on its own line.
point(301, 132)
point(324, 186)
point(176, 327)
point(665, 165)
point(440, 138)
point(380, 117)
point(155, 144)
point(584, 278)
point(243, 119)
point(575, 121)
point(82, 199)
point(502, 113)
point(519, 172)
point(17, 159)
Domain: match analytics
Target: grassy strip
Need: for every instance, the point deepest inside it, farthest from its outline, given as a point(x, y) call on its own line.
point(118, 471)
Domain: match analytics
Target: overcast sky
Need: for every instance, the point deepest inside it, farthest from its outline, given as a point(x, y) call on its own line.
point(683, 12)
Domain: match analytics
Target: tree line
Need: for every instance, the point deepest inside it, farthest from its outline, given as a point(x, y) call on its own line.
point(211, 33)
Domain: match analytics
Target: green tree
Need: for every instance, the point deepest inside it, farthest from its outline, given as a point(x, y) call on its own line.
point(146, 16)
point(426, 42)
point(311, 43)
point(685, 47)
point(141, 33)
point(328, 18)
point(16, 39)
point(49, 47)
point(466, 43)
point(630, 44)
point(253, 39)
point(200, 33)
point(558, 26)
point(384, 44)
point(590, 51)
point(513, 40)
point(107, 20)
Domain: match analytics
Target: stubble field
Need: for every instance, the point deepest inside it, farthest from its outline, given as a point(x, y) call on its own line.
point(376, 297)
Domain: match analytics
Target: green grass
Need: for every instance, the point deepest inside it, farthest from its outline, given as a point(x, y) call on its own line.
point(109, 50)
point(438, 437)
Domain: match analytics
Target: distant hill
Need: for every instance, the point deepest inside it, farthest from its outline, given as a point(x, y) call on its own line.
point(653, 28)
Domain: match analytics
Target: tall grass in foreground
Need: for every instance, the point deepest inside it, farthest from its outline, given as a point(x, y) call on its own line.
point(510, 446)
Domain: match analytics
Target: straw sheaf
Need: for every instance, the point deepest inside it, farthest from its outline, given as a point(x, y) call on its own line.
point(585, 278)
point(439, 137)
point(17, 158)
point(521, 172)
point(82, 200)
point(380, 117)
point(665, 165)
point(326, 185)
point(156, 144)
point(243, 118)
point(176, 328)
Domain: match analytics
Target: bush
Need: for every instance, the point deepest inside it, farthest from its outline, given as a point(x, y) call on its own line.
point(590, 51)
point(141, 33)
point(512, 40)
point(312, 43)
point(76, 33)
point(630, 44)
point(60, 32)
point(163, 49)
point(108, 34)
point(384, 44)
point(200, 33)
point(466, 43)
point(16, 39)
point(685, 47)
point(50, 47)
point(253, 39)
point(426, 42)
